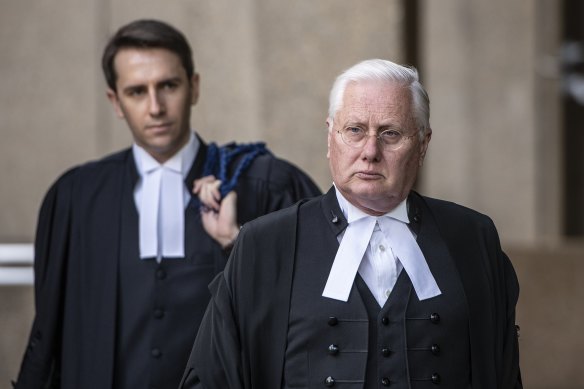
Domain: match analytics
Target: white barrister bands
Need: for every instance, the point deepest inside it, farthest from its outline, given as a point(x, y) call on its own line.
point(162, 211)
point(149, 212)
point(408, 252)
point(348, 258)
point(355, 241)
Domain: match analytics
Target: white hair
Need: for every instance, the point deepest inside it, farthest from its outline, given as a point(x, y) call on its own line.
point(383, 70)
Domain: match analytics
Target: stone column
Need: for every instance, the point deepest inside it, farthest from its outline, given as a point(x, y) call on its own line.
point(483, 66)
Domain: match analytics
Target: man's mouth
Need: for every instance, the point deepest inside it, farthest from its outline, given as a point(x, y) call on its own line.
point(156, 127)
point(368, 175)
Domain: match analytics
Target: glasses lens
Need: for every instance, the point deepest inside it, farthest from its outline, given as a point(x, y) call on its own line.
point(356, 138)
point(353, 136)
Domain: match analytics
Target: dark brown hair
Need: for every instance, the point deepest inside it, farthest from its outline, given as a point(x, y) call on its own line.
point(146, 34)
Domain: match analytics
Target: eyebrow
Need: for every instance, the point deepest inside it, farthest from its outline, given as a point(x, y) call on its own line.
point(176, 79)
point(133, 87)
point(357, 122)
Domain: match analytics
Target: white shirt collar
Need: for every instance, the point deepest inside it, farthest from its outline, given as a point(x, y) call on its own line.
point(180, 162)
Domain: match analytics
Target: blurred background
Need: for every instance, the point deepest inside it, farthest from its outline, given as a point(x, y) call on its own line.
point(506, 84)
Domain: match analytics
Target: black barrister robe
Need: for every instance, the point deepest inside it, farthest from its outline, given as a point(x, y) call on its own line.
point(242, 340)
point(73, 338)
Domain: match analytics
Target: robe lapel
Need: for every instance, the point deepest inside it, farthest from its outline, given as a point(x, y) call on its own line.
point(337, 223)
point(332, 214)
point(192, 215)
point(101, 266)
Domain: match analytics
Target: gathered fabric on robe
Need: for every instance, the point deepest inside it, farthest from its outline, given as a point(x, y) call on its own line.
point(242, 339)
point(73, 337)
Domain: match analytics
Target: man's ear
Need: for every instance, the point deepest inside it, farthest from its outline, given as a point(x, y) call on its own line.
point(113, 98)
point(329, 124)
point(195, 82)
point(424, 145)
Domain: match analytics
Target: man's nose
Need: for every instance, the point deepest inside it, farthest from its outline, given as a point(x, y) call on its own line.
point(156, 103)
point(372, 148)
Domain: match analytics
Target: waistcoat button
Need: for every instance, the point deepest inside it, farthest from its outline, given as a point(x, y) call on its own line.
point(160, 274)
point(435, 318)
point(329, 381)
point(436, 378)
point(333, 321)
point(435, 349)
point(385, 381)
point(156, 353)
point(385, 352)
point(333, 349)
point(385, 320)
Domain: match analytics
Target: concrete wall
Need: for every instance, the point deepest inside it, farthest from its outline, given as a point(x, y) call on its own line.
point(266, 67)
point(483, 68)
point(550, 314)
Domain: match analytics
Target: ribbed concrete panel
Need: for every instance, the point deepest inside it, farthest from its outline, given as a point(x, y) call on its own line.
point(479, 60)
point(303, 46)
point(48, 92)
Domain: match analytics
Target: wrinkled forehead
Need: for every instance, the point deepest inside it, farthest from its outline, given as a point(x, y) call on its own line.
point(380, 99)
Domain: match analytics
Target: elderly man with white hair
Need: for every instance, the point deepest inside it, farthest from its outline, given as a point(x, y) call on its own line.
point(372, 284)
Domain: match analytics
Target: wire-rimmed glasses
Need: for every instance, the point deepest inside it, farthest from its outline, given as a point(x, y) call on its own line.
point(356, 137)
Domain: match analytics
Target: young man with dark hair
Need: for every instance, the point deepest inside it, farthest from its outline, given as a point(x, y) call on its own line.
point(124, 251)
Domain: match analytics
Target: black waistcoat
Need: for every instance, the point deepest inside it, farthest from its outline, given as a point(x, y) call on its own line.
point(356, 344)
point(159, 306)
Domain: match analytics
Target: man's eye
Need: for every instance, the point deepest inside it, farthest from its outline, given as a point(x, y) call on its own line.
point(136, 92)
point(354, 131)
point(169, 85)
point(391, 134)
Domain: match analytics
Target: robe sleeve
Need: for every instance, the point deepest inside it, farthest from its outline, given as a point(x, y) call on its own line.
point(297, 186)
point(505, 288)
point(215, 360)
point(501, 293)
point(510, 356)
point(242, 338)
point(492, 292)
point(272, 184)
point(39, 368)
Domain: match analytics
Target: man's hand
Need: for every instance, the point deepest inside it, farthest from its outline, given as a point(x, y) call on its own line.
point(219, 217)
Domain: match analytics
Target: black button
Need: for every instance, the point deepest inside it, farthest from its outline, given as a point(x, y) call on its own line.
point(385, 381)
point(435, 378)
point(160, 274)
point(435, 349)
point(385, 320)
point(385, 352)
point(417, 218)
point(158, 313)
point(435, 318)
point(329, 381)
point(333, 321)
point(333, 349)
point(156, 353)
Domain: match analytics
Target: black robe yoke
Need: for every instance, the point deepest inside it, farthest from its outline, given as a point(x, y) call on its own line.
point(242, 339)
point(72, 341)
